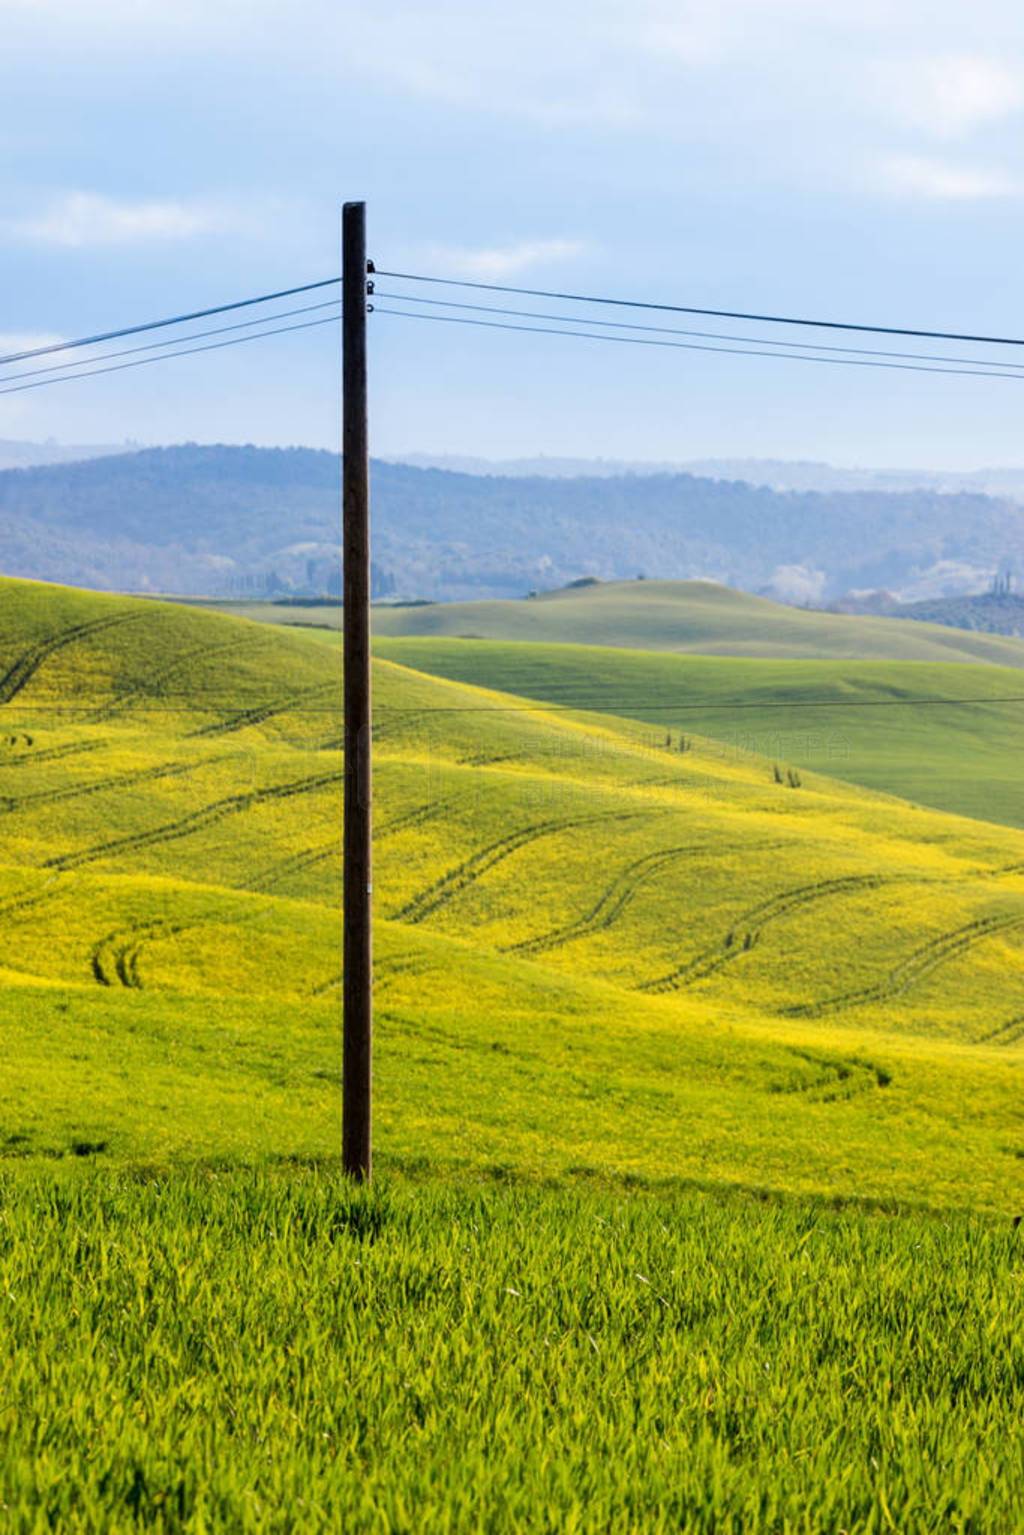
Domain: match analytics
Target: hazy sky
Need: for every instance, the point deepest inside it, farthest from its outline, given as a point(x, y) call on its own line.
point(846, 158)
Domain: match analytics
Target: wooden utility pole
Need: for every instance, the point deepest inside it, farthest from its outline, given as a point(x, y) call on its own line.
point(357, 986)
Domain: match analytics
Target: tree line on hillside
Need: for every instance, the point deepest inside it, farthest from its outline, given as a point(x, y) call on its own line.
point(202, 519)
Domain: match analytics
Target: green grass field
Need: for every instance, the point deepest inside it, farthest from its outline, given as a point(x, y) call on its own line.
point(696, 617)
point(946, 735)
point(274, 1352)
point(692, 617)
point(592, 952)
point(637, 1010)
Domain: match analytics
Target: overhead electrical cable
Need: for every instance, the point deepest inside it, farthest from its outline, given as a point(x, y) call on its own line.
point(140, 362)
point(718, 314)
point(179, 319)
point(604, 706)
point(697, 346)
point(808, 353)
point(150, 346)
point(187, 317)
point(668, 330)
point(599, 706)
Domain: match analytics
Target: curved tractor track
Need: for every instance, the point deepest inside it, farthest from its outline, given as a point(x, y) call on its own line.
point(260, 713)
point(1006, 1034)
point(471, 869)
point(410, 964)
point(115, 958)
point(920, 963)
point(52, 754)
point(9, 804)
point(418, 815)
point(611, 905)
point(146, 692)
point(326, 987)
point(15, 905)
point(746, 930)
point(28, 663)
point(836, 1078)
point(298, 863)
point(198, 820)
point(386, 969)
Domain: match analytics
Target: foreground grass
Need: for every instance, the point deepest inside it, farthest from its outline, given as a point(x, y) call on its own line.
point(227, 1350)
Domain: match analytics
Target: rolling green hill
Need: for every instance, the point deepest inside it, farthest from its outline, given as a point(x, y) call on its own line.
point(591, 951)
point(697, 617)
point(946, 735)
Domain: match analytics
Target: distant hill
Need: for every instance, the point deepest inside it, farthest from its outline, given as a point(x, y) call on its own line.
point(189, 519)
point(235, 520)
point(695, 617)
point(776, 473)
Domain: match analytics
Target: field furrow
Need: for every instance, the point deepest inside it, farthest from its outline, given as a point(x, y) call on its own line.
point(260, 713)
point(21, 672)
point(154, 687)
point(471, 869)
point(611, 904)
point(835, 1077)
point(11, 803)
point(419, 815)
point(198, 820)
point(51, 753)
point(297, 863)
point(745, 932)
point(1005, 1034)
point(938, 951)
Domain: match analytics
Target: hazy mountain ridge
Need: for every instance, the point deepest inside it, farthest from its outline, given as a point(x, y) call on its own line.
point(776, 474)
point(222, 520)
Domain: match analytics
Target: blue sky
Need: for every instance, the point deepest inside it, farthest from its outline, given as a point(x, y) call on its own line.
point(860, 160)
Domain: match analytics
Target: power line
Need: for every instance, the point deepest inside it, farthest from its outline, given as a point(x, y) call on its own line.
point(597, 706)
point(604, 706)
point(666, 330)
point(867, 359)
point(131, 351)
point(179, 319)
point(577, 298)
point(140, 362)
point(696, 346)
point(719, 314)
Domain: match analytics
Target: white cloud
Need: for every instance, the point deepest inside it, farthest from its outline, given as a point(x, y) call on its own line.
point(82, 219)
point(497, 262)
point(918, 176)
point(950, 94)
